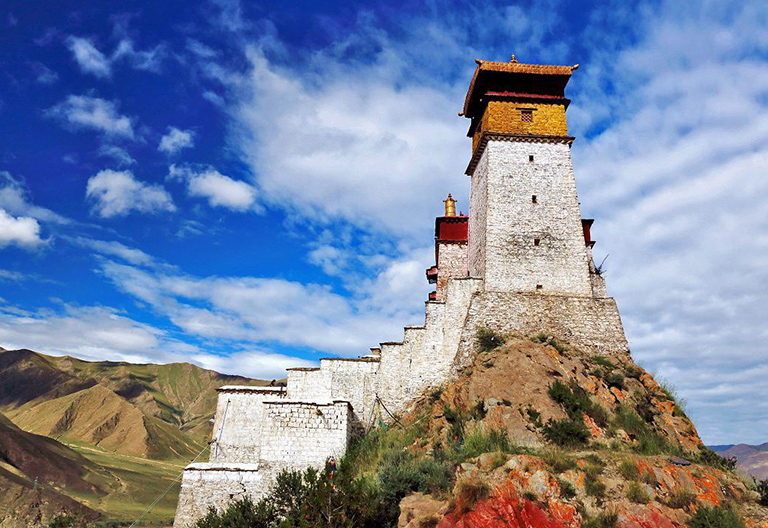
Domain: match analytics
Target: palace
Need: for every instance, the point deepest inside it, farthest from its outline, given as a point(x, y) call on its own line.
point(520, 263)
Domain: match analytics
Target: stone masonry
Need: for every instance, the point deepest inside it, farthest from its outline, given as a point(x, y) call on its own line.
point(520, 263)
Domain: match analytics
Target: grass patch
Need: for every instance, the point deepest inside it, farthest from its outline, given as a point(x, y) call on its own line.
point(711, 517)
point(680, 500)
point(558, 460)
point(479, 441)
point(637, 494)
point(551, 341)
point(628, 469)
point(648, 441)
point(566, 432)
point(488, 339)
point(602, 520)
point(567, 491)
point(576, 402)
point(603, 362)
point(469, 493)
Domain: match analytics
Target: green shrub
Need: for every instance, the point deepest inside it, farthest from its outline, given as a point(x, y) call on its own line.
point(628, 469)
point(761, 486)
point(456, 420)
point(634, 372)
point(576, 402)
point(480, 441)
point(469, 493)
point(615, 379)
point(637, 494)
point(566, 432)
point(711, 517)
point(242, 513)
point(603, 362)
point(567, 491)
point(435, 394)
point(593, 486)
point(63, 520)
point(648, 441)
point(558, 460)
point(488, 340)
point(680, 499)
point(710, 458)
point(530, 496)
point(603, 520)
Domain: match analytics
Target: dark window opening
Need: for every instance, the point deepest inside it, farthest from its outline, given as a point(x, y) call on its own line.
point(536, 241)
point(539, 286)
point(530, 157)
point(526, 116)
point(533, 199)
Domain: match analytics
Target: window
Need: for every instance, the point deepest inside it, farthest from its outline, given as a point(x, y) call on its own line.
point(533, 199)
point(526, 116)
point(530, 157)
point(536, 241)
point(539, 286)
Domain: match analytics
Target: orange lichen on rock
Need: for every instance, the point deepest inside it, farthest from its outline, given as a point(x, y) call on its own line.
point(506, 508)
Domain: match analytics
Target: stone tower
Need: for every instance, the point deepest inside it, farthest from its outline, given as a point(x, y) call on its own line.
point(525, 228)
point(519, 264)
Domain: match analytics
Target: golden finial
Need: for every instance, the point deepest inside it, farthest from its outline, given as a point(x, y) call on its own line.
point(513, 59)
point(450, 206)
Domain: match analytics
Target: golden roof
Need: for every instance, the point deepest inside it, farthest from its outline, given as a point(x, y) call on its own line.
point(515, 67)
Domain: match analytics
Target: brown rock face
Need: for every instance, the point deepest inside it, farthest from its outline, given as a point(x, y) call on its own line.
point(512, 384)
point(419, 510)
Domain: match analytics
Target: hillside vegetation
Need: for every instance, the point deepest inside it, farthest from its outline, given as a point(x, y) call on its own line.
point(535, 434)
point(103, 439)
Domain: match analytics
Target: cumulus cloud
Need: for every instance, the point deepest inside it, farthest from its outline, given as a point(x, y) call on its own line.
point(218, 189)
point(89, 58)
point(176, 140)
point(93, 113)
point(21, 231)
point(118, 193)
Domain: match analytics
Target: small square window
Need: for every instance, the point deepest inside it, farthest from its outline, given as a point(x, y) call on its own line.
point(530, 157)
point(536, 241)
point(534, 199)
point(539, 287)
point(526, 116)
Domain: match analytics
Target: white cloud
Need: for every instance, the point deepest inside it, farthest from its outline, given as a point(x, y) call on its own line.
point(14, 198)
point(93, 113)
point(21, 231)
point(118, 154)
point(115, 249)
point(89, 58)
point(176, 140)
point(98, 333)
point(218, 189)
point(118, 193)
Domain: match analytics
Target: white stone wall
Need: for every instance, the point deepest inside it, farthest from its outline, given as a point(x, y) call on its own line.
point(353, 380)
point(513, 261)
point(451, 262)
point(305, 383)
point(297, 435)
point(591, 324)
point(237, 426)
point(206, 485)
point(478, 218)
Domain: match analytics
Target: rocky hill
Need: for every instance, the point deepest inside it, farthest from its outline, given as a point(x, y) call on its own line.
point(537, 434)
point(161, 412)
point(751, 458)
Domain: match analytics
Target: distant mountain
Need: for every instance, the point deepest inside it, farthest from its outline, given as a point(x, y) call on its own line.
point(36, 473)
point(160, 412)
point(751, 458)
point(128, 430)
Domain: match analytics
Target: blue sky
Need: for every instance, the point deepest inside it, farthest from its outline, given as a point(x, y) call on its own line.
point(250, 186)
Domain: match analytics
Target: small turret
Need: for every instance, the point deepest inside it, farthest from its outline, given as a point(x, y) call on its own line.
point(450, 206)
